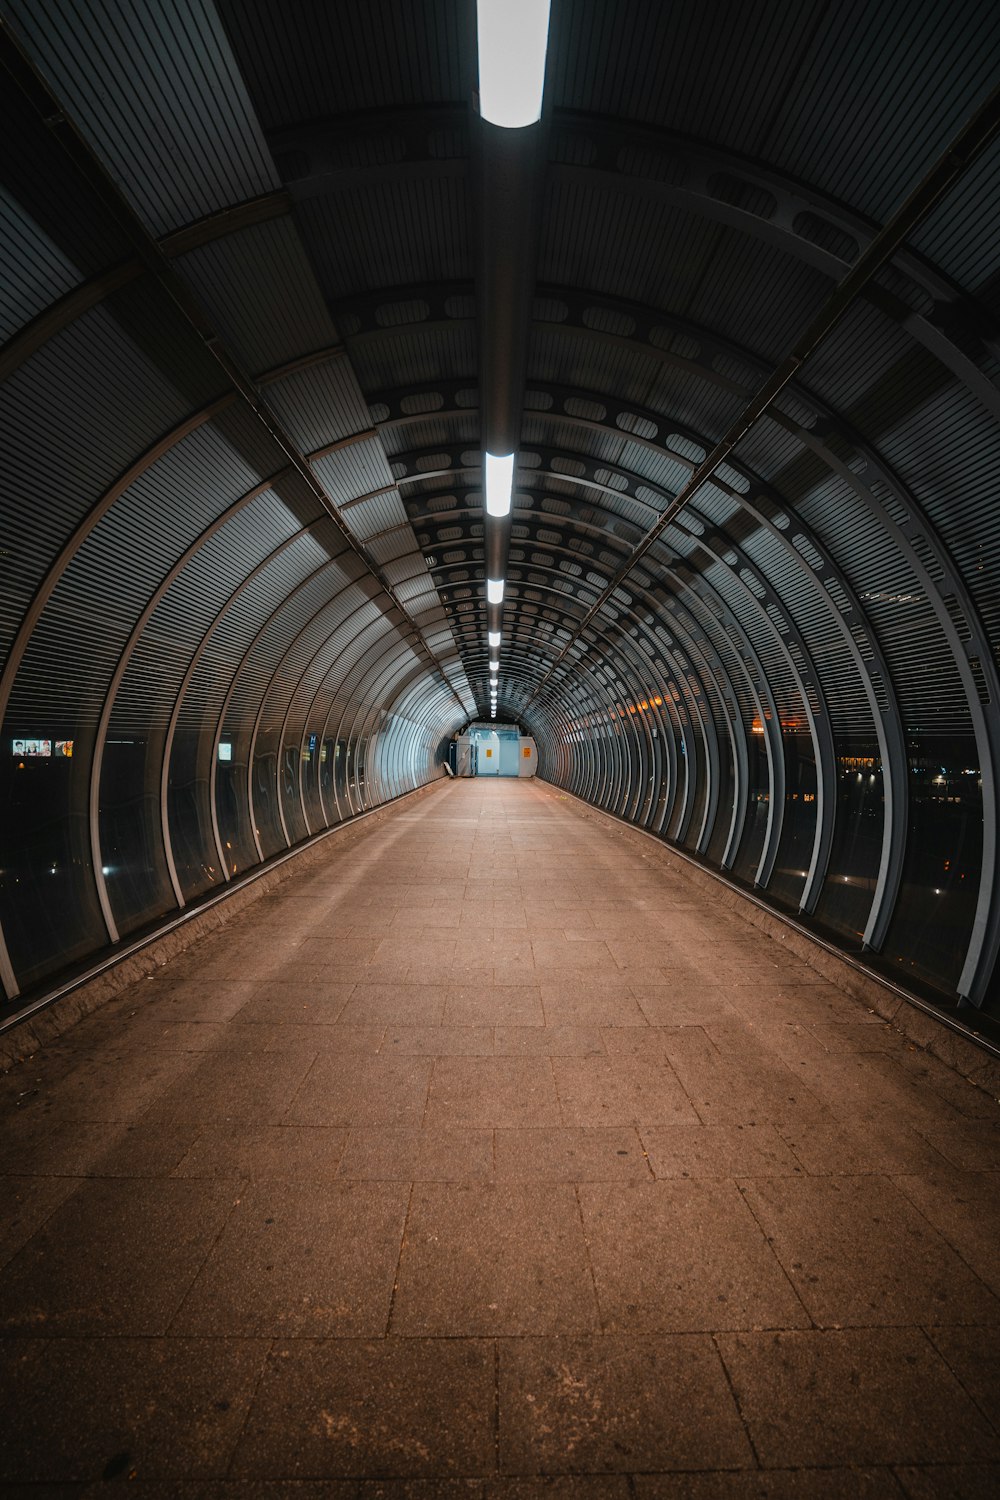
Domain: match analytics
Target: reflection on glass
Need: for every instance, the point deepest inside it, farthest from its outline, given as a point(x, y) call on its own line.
point(930, 931)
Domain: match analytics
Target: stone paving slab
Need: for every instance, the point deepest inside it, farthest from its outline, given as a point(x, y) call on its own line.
point(492, 1158)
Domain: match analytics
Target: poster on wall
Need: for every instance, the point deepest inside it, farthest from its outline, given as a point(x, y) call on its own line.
point(32, 748)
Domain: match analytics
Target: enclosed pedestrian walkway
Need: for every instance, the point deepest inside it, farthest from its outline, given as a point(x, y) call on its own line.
point(490, 1150)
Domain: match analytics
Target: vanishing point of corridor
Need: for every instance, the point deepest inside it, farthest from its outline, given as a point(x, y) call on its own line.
point(494, 1149)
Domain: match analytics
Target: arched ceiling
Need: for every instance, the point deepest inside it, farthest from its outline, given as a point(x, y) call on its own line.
point(250, 252)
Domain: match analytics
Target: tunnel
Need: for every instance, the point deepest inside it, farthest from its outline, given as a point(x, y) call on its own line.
point(637, 426)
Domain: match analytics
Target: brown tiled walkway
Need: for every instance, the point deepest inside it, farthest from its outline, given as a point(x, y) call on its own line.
point(491, 1149)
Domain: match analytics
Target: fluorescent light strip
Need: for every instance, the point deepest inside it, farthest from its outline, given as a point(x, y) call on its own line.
point(499, 472)
point(493, 636)
point(513, 38)
point(494, 590)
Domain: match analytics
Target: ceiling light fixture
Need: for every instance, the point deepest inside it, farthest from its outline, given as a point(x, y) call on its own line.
point(513, 38)
point(495, 665)
point(493, 636)
point(499, 483)
point(494, 590)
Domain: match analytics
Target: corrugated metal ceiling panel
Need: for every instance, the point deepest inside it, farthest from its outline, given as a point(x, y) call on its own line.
point(414, 356)
point(74, 417)
point(156, 91)
point(302, 59)
point(854, 98)
point(388, 234)
point(34, 271)
point(353, 471)
point(319, 405)
point(259, 289)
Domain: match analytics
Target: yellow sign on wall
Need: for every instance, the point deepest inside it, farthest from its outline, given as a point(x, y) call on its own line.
point(488, 754)
point(526, 752)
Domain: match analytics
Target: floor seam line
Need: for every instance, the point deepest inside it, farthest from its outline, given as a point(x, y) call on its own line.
point(736, 1400)
point(399, 1261)
point(250, 1405)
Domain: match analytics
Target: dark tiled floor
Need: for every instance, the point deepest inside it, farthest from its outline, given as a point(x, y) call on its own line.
point(490, 1161)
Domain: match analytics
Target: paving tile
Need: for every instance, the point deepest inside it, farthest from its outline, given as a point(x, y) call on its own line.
point(422, 919)
point(79, 1409)
point(363, 1090)
point(439, 1041)
point(483, 1259)
point(973, 1354)
point(116, 1257)
point(110, 1089)
point(827, 1146)
point(967, 1144)
point(544, 920)
point(539, 1487)
point(619, 1091)
point(27, 1203)
point(43, 1491)
point(718, 1151)
point(196, 999)
point(682, 1257)
point(155, 1031)
point(649, 1043)
point(570, 1154)
point(870, 1035)
point(41, 1146)
point(639, 950)
point(923, 1071)
point(570, 1002)
point(410, 949)
point(293, 1036)
point(964, 1208)
point(302, 1259)
point(882, 1395)
point(586, 955)
point(291, 997)
point(796, 1045)
point(773, 1484)
point(405, 1407)
point(951, 1482)
point(618, 1405)
point(253, 1088)
point(547, 1041)
point(485, 1092)
point(859, 1253)
point(726, 1092)
point(854, 1086)
point(507, 973)
point(394, 1004)
point(488, 945)
point(376, 1154)
point(285, 1151)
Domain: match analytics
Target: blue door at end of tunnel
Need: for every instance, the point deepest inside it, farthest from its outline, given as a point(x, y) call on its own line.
point(510, 745)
